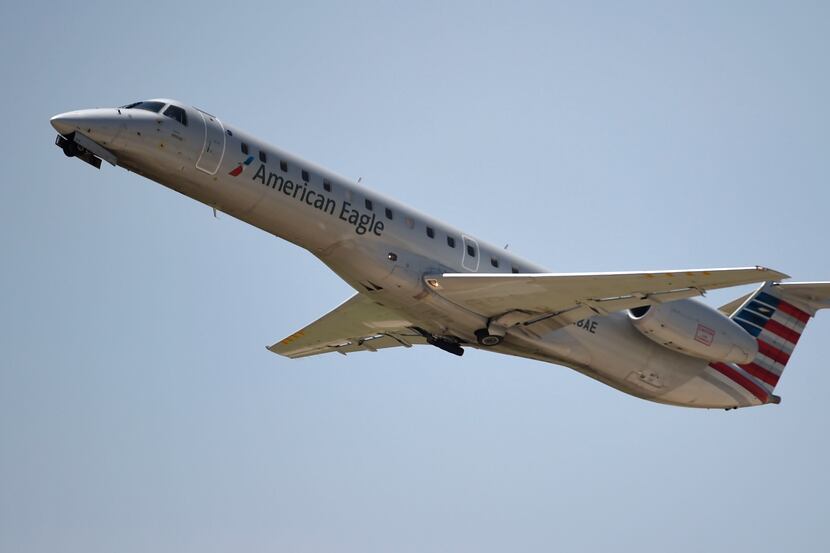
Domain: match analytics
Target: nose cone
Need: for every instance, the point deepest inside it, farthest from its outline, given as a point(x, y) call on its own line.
point(101, 125)
point(69, 122)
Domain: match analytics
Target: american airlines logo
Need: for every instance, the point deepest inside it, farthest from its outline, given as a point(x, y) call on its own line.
point(345, 211)
point(236, 171)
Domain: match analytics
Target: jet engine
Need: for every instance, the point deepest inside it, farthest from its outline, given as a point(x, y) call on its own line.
point(695, 329)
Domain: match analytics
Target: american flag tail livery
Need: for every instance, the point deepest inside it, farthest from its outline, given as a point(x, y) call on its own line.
point(776, 315)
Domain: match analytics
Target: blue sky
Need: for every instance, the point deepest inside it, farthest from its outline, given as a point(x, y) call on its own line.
point(139, 409)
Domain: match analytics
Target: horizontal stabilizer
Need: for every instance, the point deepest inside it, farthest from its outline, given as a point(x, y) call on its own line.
point(811, 295)
point(729, 308)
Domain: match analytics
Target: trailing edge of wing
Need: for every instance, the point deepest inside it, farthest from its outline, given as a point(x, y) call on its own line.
point(358, 324)
point(572, 296)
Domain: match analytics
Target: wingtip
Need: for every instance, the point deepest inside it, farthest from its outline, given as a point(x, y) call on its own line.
point(777, 275)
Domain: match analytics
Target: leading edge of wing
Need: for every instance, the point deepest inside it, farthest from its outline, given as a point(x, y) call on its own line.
point(769, 274)
point(495, 293)
point(665, 279)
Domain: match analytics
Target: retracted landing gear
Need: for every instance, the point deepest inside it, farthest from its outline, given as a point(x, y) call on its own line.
point(486, 339)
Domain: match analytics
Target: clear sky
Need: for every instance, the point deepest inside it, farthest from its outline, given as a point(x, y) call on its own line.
point(139, 409)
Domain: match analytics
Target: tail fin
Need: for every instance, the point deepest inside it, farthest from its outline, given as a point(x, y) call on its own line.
point(776, 315)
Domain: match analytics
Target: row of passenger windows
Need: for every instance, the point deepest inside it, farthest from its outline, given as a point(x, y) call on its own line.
point(369, 204)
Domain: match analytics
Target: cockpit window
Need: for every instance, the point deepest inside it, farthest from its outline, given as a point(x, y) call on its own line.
point(177, 113)
point(155, 107)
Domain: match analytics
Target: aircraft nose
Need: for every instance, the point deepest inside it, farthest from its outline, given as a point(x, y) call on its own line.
point(69, 122)
point(101, 125)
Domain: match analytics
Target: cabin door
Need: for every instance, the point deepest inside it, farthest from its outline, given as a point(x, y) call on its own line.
point(214, 146)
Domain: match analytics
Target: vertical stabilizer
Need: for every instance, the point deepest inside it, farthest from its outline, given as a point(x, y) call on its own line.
point(776, 314)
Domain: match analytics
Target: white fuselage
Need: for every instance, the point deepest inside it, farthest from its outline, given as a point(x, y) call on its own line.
point(382, 248)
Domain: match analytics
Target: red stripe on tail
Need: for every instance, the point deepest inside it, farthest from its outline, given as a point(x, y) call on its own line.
point(735, 376)
point(761, 373)
point(793, 311)
point(787, 333)
point(773, 353)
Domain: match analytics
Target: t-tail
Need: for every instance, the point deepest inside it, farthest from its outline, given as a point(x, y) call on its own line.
point(776, 314)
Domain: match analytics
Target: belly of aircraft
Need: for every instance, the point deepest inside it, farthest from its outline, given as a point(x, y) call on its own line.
point(610, 350)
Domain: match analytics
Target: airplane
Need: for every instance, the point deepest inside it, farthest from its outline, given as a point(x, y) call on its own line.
point(419, 281)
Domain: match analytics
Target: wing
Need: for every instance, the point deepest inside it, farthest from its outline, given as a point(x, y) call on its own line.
point(563, 298)
point(359, 324)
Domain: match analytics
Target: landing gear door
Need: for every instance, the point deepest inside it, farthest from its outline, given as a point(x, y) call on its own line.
point(214, 146)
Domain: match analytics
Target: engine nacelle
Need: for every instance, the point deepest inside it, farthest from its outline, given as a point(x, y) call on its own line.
point(695, 329)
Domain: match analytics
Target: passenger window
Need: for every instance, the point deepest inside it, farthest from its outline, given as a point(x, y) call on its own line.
point(177, 113)
point(471, 251)
point(305, 175)
point(409, 222)
point(514, 270)
point(244, 148)
point(494, 262)
point(430, 232)
point(450, 241)
point(262, 157)
point(284, 166)
point(389, 214)
point(326, 185)
point(368, 203)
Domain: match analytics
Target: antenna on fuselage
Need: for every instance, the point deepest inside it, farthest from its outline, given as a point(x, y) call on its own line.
point(359, 179)
point(505, 246)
